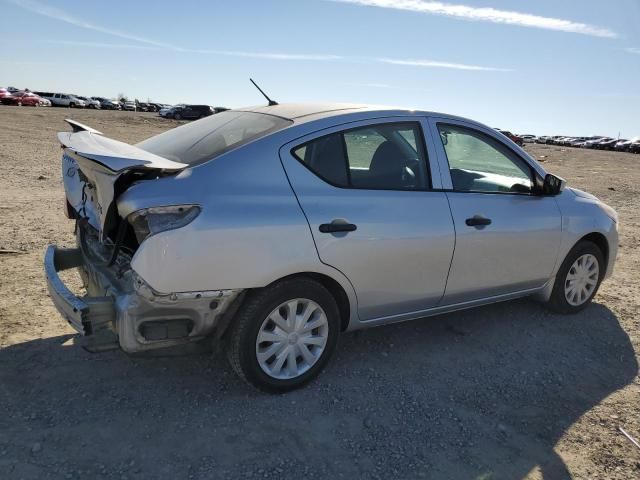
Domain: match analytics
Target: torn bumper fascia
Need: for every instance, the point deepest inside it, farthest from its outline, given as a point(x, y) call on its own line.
point(120, 301)
point(84, 314)
point(205, 309)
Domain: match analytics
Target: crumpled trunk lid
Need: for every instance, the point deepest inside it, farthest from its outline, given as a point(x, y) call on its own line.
point(95, 169)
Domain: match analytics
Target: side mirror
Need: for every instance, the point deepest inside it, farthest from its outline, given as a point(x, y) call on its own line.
point(552, 185)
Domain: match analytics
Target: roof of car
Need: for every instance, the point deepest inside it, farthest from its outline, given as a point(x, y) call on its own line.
point(298, 110)
point(306, 112)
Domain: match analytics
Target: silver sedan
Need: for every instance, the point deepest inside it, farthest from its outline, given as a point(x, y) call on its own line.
point(274, 229)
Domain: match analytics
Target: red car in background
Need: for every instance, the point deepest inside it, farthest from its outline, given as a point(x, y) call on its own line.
point(4, 93)
point(514, 138)
point(23, 98)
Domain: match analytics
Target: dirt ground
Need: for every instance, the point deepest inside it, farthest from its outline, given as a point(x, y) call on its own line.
point(508, 391)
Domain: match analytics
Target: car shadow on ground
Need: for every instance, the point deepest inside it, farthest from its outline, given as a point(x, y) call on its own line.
point(482, 394)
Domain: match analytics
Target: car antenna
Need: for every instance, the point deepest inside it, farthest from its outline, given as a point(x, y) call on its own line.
point(271, 102)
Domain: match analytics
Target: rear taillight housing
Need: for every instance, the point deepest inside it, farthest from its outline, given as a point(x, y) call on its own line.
point(150, 221)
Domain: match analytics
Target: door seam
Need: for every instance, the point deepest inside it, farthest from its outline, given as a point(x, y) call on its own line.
point(313, 239)
point(453, 253)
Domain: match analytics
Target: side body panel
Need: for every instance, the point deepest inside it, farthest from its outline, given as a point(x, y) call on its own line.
point(399, 256)
point(516, 252)
point(250, 232)
point(581, 215)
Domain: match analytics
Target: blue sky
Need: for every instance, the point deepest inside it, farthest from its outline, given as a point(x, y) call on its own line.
point(546, 67)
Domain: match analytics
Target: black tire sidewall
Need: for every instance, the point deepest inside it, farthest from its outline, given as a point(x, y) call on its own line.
point(263, 305)
point(558, 301)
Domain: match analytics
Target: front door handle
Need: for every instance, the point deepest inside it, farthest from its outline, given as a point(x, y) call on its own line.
point(336, 227)
point(478, 221)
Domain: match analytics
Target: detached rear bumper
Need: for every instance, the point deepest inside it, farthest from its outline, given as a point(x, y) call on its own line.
point(84, 314)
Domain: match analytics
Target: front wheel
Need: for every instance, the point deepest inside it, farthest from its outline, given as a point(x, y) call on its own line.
point(177, 116)
point(578, 278)
point(283, 335)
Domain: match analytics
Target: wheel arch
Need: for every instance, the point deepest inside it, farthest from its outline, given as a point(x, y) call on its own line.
point(600, 241)
point(335, 289)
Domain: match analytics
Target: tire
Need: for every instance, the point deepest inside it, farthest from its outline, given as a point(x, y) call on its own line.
point(177, 116)
point(19, 104)
point(72, 105)
point(254, 318)
point(560, 300)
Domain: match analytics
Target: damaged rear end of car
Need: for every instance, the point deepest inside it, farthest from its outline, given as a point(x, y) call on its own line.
point(120, 308)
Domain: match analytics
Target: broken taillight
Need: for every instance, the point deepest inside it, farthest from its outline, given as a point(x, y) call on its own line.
point(149, 221)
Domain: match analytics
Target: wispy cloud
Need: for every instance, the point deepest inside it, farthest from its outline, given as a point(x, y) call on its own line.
point(149, 43)
point(273, 56)
point(386, 86)
point(152, 44)
point(228, 53)
point(434, 64)
point(633, 50)
point(73, 43)
point(371, 85)
point(295, 57)
point(57, 14)
point(487, 14)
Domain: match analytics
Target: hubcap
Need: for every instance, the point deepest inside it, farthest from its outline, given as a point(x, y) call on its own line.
point(581, 280)
point(292, 338)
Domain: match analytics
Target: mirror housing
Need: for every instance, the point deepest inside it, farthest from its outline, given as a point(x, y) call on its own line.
point(552, 185)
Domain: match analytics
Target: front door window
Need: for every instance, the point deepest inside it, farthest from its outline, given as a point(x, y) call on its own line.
point(479, 163)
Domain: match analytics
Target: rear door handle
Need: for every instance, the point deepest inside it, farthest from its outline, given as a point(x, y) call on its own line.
point(478, 221)
point(336, 227)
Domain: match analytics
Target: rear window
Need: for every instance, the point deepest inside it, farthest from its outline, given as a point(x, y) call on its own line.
point(209, 137)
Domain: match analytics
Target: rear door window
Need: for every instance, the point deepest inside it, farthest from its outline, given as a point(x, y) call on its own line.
point(388, 156)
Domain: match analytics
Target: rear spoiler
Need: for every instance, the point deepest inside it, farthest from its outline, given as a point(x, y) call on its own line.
point(80, 127)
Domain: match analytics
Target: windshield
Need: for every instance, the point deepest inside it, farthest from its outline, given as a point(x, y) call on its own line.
point(205, 139)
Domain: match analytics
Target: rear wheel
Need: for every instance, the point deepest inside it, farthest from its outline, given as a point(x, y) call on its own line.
point(578, 278)
point(72, 105)
point(283, 335)
point(19, 104)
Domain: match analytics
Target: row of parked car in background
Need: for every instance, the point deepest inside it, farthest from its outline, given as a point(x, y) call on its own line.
point(182, 111)
point(597, 142)
point(26, 97)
